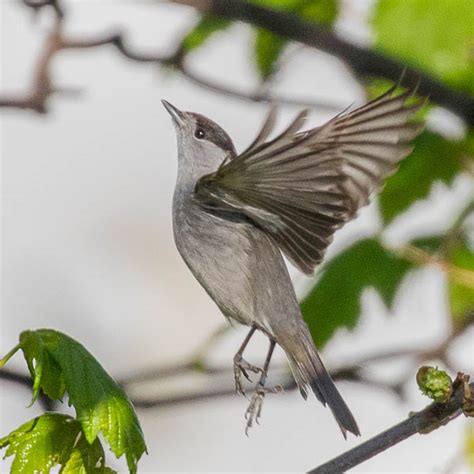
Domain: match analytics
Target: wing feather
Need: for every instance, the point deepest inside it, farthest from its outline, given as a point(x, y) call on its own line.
point(265, 131)
point(301, 186)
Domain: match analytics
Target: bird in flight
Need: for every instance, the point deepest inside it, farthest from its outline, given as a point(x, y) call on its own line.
point(236, 215)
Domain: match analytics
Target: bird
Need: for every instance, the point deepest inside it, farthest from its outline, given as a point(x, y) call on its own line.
point(235, 215)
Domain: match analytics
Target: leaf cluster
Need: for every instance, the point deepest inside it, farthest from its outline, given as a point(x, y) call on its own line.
point(59, 365)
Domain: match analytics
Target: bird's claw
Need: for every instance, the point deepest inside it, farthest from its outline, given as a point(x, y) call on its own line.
point(242, 367)
point(254, 410)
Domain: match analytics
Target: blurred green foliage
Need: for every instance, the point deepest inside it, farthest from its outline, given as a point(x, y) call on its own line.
point(436, 36)
point(334, 302)
point(202, 31)
point(434, 158)
point(461, 296)
point(267, 47)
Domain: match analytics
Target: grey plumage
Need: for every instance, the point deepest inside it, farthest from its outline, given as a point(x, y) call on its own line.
point(233, 214)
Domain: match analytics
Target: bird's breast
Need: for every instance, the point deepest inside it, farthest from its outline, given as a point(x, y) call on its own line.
point(238, 265)
point(218, 253)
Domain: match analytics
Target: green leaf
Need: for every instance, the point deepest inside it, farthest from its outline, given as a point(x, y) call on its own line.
point(87, 459)
point(437, 36)
point(320, 11)
point(206, 27)
point(469, 145)
point(461, 296)
point(334, 302)
point(49, 440)
point(268, 47)
point(434, 383)
point(430, 245)
point(100, 404)
point(45, 372)
point(433, 159)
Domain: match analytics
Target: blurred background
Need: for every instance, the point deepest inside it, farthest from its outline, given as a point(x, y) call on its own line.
point(88, 171)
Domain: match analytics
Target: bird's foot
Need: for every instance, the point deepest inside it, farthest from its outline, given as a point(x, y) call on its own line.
point(242, 367)
point(254, 410)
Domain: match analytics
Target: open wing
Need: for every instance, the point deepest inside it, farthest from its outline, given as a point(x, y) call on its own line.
point(302, 186)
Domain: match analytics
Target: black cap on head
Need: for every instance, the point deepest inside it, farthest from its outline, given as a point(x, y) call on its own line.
point(214, 133)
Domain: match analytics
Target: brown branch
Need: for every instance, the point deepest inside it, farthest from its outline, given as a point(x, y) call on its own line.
point(257, 96)
point(41, 88)
point(362, 60)
point(37, 5)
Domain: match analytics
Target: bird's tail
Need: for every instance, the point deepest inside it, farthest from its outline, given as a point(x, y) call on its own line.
point(309, 371)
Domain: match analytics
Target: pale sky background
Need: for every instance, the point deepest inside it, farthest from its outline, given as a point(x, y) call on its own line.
point(87, 244)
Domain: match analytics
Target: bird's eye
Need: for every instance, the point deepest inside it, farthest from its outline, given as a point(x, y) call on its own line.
point(199, 133)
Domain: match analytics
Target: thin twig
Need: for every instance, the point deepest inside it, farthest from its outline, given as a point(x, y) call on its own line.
point(223, 386)
point(420, 257)
point(432, 417)
point(258, 96)
point(196, 364)
point(288, 384)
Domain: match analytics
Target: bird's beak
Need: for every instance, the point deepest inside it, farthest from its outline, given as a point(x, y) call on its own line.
point(175, 113)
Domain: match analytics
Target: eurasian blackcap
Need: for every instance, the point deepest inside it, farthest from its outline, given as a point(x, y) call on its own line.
point(234, 215)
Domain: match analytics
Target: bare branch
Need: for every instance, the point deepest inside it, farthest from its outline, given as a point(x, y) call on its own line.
point(222, 384)
point(362, 60)
point(432, 417)
point(257, 96)
point(41, 88)
point(37, 5)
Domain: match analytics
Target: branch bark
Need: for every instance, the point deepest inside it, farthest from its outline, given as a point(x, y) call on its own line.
point(432, 417)
point(362, 60)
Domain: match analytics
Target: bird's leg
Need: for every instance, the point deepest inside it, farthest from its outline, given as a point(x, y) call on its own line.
point(254, 409)
point(241, 366)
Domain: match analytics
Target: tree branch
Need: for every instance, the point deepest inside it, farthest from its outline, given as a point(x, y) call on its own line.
point(362, 60)
point(353, 372)
point(222, 384)
point(432, 417)
point(41, 88)
point(257, 96)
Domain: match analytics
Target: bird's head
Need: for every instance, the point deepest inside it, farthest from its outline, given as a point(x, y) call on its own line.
point(202, 144)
